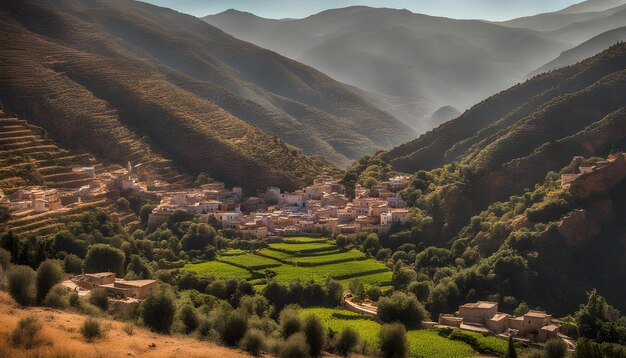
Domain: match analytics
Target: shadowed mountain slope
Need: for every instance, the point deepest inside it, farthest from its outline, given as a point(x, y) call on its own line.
point(111, 75)
point(414, 63)
point(584, 50)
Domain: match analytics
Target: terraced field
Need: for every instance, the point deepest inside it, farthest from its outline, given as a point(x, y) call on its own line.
point(299, 258)
point(422, 343)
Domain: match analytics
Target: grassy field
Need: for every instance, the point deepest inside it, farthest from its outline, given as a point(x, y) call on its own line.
point(303, 240)
point(218, 269)
point(304, 248)
point(422, 343)
point(250, 261)
point(301, 258)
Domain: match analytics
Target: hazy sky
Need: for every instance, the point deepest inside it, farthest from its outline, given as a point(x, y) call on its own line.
point(276, 9)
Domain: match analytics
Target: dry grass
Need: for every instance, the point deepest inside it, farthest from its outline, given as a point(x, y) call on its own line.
point(62, 338)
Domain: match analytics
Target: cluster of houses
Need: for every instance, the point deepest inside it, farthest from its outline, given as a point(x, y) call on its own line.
point(131, 290)
point(583, 168)
point(321, 207)
point(483, 316)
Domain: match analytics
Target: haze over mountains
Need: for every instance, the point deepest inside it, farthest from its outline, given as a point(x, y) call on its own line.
point(413, 64)
point(127, 80)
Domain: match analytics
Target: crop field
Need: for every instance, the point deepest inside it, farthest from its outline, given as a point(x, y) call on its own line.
point(218, 269)
point(330, 258)
point(344, 270)
point(250, 261)
point(422, 343)
point(305, 248)
point(303, 240)
point(287, 260)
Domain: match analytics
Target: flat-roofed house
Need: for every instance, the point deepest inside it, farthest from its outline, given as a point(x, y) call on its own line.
point(99, 278)
point(478, 312)
point(139, 289)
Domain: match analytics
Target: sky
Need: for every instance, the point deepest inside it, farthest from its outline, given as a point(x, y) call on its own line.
point(494, 10)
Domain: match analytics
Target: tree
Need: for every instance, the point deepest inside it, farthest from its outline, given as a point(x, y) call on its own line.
point(341, 241)
point(145, 212)
point(122, 204)
point(314, 333)
point(347, 340)
point(591, 315)
point(49, 273)
point(294, 347)
point(402, 277)
point(5, 214)
point(393, 343)
point(72, 264)
point(235, 327)
point(22, 284)
point(105, 258)
point(420, 289)
point(158, 310)
point(5, 259)
point(198, 237)
point(371, 244)
point(357, 289)
point(189, 317)
point(522, 309)
point(555, 348)
point(138, 269)
point(290, 322)
point(374, 293)
point(99, 298)
point(512, 353)
point(401, 308)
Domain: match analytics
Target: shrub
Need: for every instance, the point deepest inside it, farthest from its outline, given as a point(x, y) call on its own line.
point(49, 273)
point(5, 258)
point(235, 328)
point(189, 318)
point(421, 290)
point(22, 284)
point(393, 343)
point(158, 310)
point(374, 293)
point(91, 329)
point(129, 329)
point(555, 348)
point(56, 297)
point(74, 300)
point(401, 308)
point(253, 342)
point(72, 264)
point(314, 333)
point(290, 322)
point(27, 333)
point(99, 298)
point(294, 347)
point(347, 341)
point(122, 204)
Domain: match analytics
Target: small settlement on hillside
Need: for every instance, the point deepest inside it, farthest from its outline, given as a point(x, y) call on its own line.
point(320, 207)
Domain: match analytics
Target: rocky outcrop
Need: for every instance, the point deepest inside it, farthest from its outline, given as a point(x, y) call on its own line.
point(601, 180)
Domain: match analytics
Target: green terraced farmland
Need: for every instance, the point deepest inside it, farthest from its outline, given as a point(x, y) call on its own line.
point(250, 261)
point(338, 271)
point(422, 343)
point(218, 269)
point(303, 240)
point(277, 255)
point(381, 279)
point(232, 252)
point(330, 258)
point(303, 248)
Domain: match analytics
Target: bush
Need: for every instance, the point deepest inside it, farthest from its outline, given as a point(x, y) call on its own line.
point(91, 329)
point(22, 284)
point(314, 333)
point(189, 318)
point(294, 347)
point(290, 322)
point(393, 343)
point(253, 342)
point(49, 273)
point(421, 290)
point(72, 264)
point(129, 329)
point(235, 328)
point(401, 308)
point(122, 204)
point(74, 300)
point(158, 310)
point(347, 341)
point(555, 348)
point(27, 333)
point(99, 298)
point(5, 259)
point(56, 297)
point(374, 293)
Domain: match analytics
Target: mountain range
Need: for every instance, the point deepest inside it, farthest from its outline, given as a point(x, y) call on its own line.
point(132, 81)
point(412, 64)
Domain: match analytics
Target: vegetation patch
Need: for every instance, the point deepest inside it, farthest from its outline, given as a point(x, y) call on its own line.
point(250, 261)
point(303, 248)
point(217, 269)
